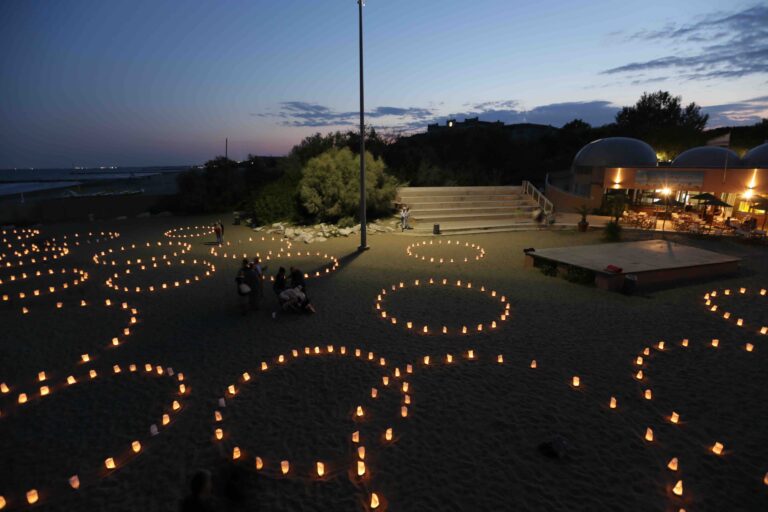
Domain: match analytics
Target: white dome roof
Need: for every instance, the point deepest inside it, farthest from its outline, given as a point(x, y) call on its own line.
point(757, 157)
point(707, 156)
point(616, 152)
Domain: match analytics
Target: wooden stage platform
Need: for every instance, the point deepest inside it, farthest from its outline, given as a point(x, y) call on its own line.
point(653, 262)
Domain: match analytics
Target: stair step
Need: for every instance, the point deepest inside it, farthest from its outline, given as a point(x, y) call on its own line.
point(457, 191)
point(508, 210)
point(511, 198)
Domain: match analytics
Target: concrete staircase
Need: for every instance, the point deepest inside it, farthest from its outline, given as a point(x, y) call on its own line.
point(468, 209)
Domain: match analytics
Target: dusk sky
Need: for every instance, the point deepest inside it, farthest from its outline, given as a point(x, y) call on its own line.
point(112, 82)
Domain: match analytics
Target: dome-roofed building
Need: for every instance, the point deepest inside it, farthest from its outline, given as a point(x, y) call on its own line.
point(708, 157)
point(757, 157)
point(615, 152)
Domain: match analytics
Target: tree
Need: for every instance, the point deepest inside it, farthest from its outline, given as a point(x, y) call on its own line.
point(330, 186)
point(661, 110)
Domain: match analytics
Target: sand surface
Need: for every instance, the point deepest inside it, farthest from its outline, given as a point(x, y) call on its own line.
point(470, 439)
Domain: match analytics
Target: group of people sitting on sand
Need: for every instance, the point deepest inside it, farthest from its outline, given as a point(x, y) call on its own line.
point(290, 288)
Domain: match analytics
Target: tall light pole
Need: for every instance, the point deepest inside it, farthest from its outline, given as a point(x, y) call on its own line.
point(363, 222)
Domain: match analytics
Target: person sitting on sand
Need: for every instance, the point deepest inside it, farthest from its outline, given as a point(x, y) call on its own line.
point(199, 498)
point(281, 283)
point(243, 288)
point(299, 284)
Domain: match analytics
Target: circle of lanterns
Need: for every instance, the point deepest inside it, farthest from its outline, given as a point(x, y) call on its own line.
point(91, 237)
point(711, 298)
point(189, 232)
point(73, 277)
point(27, 254)
point(115, 461)
point(316, 469)
point(426, 329)
point(43, 376)
point(641, 366)
point(412, 250)
point(224, 250)
point(16, 235)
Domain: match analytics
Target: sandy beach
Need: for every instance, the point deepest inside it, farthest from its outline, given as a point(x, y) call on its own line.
point(469, 441)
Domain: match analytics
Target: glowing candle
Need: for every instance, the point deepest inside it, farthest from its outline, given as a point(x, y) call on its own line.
point(116, 368)
point(717, 448)
point(388, 434)
point(576, 381)
point(71, 380)
point(374, 501)
point(673, 464)
point(648, 394)
point(22, 398)
point(764, 330)
point(246, 376)
point(4, 388)
point(235, 453)
point(115, 342)
point(639, 360)
point(264, 366)
point(661, 345)
point(109, 463)
point(374, 392)
point(749, 347)
point(259, 463)
point(361, 452)
point(44, 390)
point(500, 358)
point(359, 413)
point(646, 351)
point(385, 379)
point(74, 482)
point(320, 468)
point(231, 389)
point(684, 342)
point(405, 387)
point(176, 405)
point(612, 403)
point(360, 468)
point(407, 399)
point(471, 354)
point(674, 418)
point(448, 358)
point(715, 342)
point(649, 434)
point(32, 496)
point(404, 411)
point(356, 437)
point(533, 363)
point(726, 315)
point(408, 368)
point(166, 419)
point(639, 375)
point(425, 329)
point(136, 446)
point(85, 358)
point(678, 488)
point(464, 330)
point(409, 324)
point(740, 322)
point(426, 360)
point(397, 373)
point(285, 466)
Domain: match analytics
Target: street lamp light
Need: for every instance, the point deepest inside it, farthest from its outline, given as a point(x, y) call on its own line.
point(363, 222)
point(666, 191)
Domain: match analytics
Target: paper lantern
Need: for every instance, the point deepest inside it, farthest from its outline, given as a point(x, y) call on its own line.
point(717, 448)
point(4, 388)
point(749, 347)
point(71, 380)
point(44, 390)
point(533, 363)
point(500, 358)
point(672, 464)
point(385, 379)
point(726, 315)
point(715, 342)
point(661, 345)
point(404, 411)
point(246, 376)
point(85, 358)
point(370, 356)
point(374, 501)
point(109, 463)
point(408, 368)
point(426, 360)
point(646, 351)
point(388, 434)
point(166, 419)
point(182, 389)
point(405, 387)
point(448, 358)
point(765, 478)
point(32, 496)
point(407, 399)
point(684, 342)
point(471, 354)
point(374, 392)
point(648, 394)
point(639, 375)
point(649, 434)
point(285, 466)
point(409, 324)
point(678, 488)
point(639, 360)
point(360, 468)
point(259, 463)
point(576, 381)
point(764, 330)
point(359, 413)
point(235, 453)
point(361, 452)
point(74, 482)
point(22, 398)
point(136, 446)
point(2, 503)
point(397, 373)
point(231, 389)
point(264, 366)
point(355, 437)
point(320, 469)
point(464, 330)
point(175, 405)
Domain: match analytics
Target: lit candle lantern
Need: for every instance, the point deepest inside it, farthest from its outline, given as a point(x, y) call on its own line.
point(717, 448)
point(407, 399)
point(715, 342)
point(612, 403)
point(32, 496)
point(684, 342)
point(85, 358)
point(360, 468)
point(361, 452)
point(673, 464)
point(661, 345)
point(259, 463)
point(646, 351)
point(385, 380)
point(182, 389)
point(22, 398)
point(41, 376)
point(166, 419)
point(4, 388)
point(320, 468)
point(639, 375)
point(116, 368)
point(479, 327)
point(576, 381)
point(648, 394)
point(397, 373)
point(246, 376)
point(176, 405)
point(404, 411)
point(408, 368)
point(231, 389)
point(448, 358)
point(649, 434)
point(374, 392)
point(409, 324)
point(405, 387)
point(115, 342)
point(674, 418)
point(264, 366)
point(44, 390)
point(74, 482)
point(533, 364)
point(285, 466)
point(374, 501)
point(370, 356)
point(356, 436)
point(388, 434)
point(639, 360)
point(109, 463)
point(136, 446)
point(678, 488)
point(740, 322)
point(426, 360)
point(471, 354)
point(71, 380)
point(445, 330)
point(726, 315)
point(359, 413)
point(500, 358)
point(235, 453)
point(464, 330)
point(749, 347)
point(764, 330)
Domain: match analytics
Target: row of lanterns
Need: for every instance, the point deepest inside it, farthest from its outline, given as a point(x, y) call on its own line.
point(331, 265)
point(113, 281)
point(137, 446)
point(190, 231)
point(78, 276)
point(426, 329)
point(411, 250)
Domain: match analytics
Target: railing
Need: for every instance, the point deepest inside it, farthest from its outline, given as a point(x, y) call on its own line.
point(537, 196)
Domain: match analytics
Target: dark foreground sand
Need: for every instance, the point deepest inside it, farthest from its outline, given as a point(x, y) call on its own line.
point(470, 439)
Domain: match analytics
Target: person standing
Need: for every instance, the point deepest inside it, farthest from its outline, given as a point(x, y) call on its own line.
point(243, 289)
point(221, 227)
point(217, 232)
point(259, 288)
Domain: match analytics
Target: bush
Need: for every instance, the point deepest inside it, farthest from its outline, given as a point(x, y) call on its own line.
point(329, 189)
point(273, 202)
point(612, 232)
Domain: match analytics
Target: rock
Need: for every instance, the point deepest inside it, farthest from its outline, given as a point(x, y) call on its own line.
point(258, 228)
point(345, 231)
point(277, 225)
point(289, 232)
point(306, 238)
point(320, 239)
point(355, 228)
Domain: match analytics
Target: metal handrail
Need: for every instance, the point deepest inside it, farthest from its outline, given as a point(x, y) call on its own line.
point(536, 195)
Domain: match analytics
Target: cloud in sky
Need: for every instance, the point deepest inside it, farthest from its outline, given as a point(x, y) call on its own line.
point(304, 114)
point(745, 112)
point(721, 45)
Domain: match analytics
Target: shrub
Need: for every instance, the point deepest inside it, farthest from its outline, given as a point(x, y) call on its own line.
point(329, 189)
point(273, 202)
point(612, 232)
